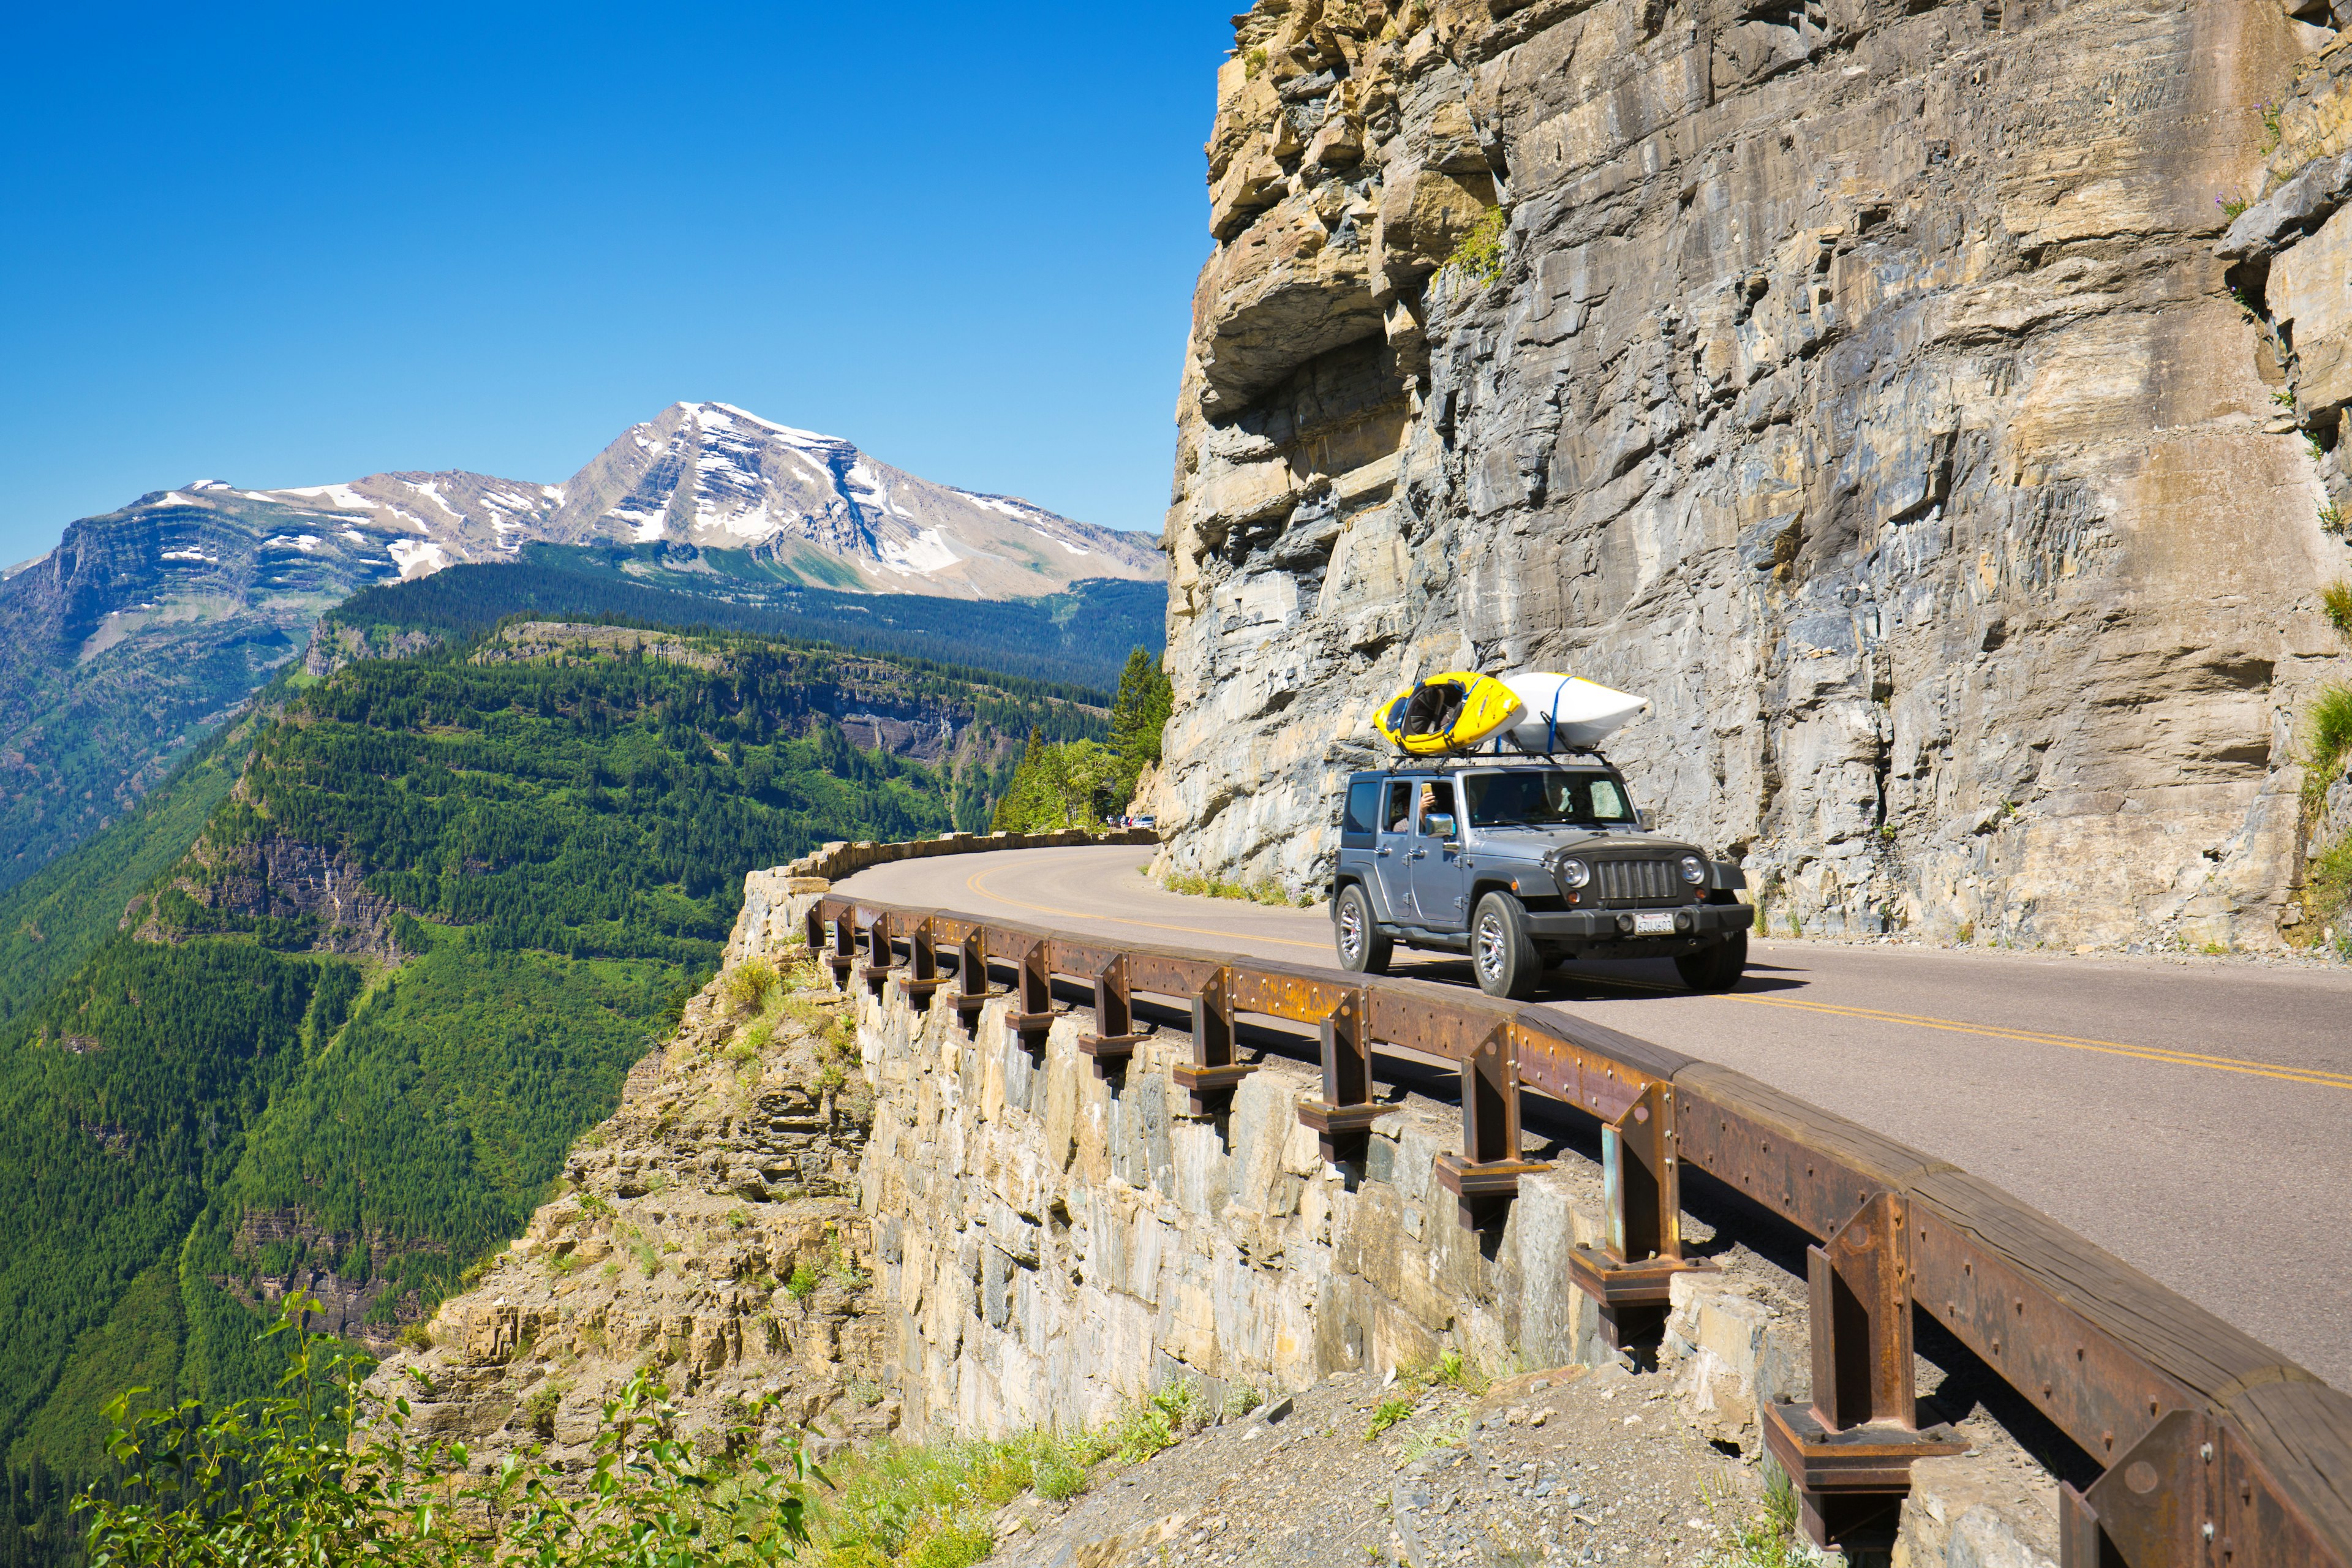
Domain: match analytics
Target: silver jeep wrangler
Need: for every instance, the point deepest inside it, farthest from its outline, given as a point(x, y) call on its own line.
point(1523, 866)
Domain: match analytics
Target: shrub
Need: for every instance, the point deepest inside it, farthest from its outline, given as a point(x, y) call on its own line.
point(1479, 255)
point(325, 1471)
point(2331, 731)
point(748, 984)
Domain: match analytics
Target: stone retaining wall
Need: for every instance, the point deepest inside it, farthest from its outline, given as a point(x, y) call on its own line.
point(1049, 1248)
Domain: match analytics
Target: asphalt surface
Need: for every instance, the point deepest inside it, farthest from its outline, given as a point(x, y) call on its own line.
point(2194, 1118)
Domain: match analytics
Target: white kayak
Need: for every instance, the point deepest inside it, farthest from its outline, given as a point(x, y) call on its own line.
point(1564, 712)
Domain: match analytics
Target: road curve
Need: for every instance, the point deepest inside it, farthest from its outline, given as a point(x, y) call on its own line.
point(2195, 1119)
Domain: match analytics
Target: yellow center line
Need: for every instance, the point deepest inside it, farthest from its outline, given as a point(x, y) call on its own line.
point(2318, 1077)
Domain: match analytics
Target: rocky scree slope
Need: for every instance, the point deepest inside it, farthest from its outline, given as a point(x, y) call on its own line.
point(1856, 380)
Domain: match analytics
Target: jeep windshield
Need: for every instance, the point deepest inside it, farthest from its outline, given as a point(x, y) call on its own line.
point(1547, 798)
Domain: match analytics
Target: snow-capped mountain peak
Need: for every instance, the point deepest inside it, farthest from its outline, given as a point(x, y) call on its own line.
point(714, 475)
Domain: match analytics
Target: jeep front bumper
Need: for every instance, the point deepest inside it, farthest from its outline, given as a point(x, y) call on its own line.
point(1608, 925)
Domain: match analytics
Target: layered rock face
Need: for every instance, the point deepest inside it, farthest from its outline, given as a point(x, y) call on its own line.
point(1856, 380)
point(706, 1230)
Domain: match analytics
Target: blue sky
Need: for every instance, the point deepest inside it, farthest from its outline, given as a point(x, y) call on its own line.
point(293, 245)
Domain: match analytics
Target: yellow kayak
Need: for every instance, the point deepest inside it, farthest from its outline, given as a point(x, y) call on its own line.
point(1449, 711)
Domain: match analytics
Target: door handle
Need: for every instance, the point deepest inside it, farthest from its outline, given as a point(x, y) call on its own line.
point(1418, 855)
point(1380, 853)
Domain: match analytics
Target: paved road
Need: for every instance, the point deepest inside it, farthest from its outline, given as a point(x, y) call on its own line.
point(2195, 1119)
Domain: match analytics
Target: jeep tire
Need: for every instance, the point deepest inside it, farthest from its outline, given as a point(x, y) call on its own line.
point(1501, 952)
point(1363, 950)
point(1716, 968)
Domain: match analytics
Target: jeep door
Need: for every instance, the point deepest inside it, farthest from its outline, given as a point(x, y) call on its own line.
point(1438, 894)
point(1390, 867)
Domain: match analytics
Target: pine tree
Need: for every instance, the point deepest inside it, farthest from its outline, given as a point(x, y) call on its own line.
point(1139, 718)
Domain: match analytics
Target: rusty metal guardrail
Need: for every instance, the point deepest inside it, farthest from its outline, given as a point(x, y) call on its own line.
point(2217, 1450)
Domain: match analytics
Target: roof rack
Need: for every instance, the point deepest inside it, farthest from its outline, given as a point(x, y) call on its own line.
point(1407, 763)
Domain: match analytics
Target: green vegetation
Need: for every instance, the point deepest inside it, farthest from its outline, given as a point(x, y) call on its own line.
point(2327, 885)
point(2331, 516)
point(2272, 129)
point(1478, 258)
point(1138, 714)
point(274, 1480)
point(2336, 604)
point(54, 919)
point(1220, 888)
point(536, 861)
point(2331, 734)
point(1768, 1538)
point(1391, 1410)
point(1081, 784)
point(1070, 642)
point(2231, 206)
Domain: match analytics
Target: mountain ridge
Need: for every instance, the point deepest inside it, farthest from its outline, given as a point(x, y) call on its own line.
point(146, 627)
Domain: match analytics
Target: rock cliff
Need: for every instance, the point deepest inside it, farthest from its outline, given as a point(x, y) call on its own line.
point(708, 1228)
point(1859, 379)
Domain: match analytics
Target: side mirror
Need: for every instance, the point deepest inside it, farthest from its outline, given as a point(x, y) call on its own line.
point(1641, 819)
point(1437, 825)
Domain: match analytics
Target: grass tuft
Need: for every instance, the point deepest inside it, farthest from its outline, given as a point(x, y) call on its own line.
point(2336, 604)
point(1769, 1539)
point(1222, 888)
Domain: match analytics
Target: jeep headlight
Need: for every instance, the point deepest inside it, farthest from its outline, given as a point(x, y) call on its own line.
point(1694, 869)
point(1572, 873)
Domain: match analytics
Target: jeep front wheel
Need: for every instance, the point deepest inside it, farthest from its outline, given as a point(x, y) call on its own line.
point(1716, 968)
point(1362, 949)
point(1501, 951)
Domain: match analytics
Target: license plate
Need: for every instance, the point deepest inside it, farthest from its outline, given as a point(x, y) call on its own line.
point(1654, 923)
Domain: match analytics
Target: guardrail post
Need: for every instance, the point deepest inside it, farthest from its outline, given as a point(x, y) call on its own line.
point(921, 977)
point(878, 954)
point(2156, 1506)
point(1035, 1014)
point(1631, 1276)
point(1849, 1455)
point(843, 956)
point(971, 980)
point(1343, 1118)
point(813, 928)
point(1114, 1037)
point(1213, 1074)
point(1485, 1175)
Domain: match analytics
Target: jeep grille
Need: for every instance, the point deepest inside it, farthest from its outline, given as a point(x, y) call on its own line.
point(1637, 881)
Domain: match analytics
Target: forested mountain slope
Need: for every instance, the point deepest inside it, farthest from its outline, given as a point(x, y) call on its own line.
point(57, 917)
point(345, 1041)
point(1082, 636)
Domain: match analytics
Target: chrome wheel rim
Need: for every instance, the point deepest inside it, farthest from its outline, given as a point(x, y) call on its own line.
point(1351, 928)
point(1490, 948)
